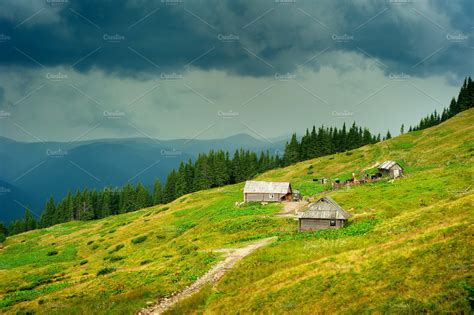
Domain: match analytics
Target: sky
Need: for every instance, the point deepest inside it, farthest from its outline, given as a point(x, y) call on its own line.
point(76, 70)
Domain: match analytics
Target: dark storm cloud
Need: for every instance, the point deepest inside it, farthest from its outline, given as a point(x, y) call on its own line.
point(132, 38)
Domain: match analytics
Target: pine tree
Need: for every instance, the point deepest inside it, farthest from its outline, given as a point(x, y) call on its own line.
point(3, 232)
point(157, 192)
point(181, 184)
point(202, 178)
point(220, 170)
point(143, 198)
point(86, 210)
point(292, 151)
point(105, 204)
point(402, 129)
point(127, 199)
point(169, 193)
point(388, 136)
point(49, 212)
point(30, 222)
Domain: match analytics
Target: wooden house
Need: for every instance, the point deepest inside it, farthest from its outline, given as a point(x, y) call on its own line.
point(390, 168)
point(323, 214)
point(267, 191)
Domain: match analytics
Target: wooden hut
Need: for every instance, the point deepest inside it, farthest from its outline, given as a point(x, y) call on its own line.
point(323, 214)
point(267, 191)
point(390, 168)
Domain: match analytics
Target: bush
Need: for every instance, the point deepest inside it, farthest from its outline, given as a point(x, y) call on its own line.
point(117, 248)
point(95, 246)
point(52, 253)
point(114, 258)
point(83, 262)
point(106, 270)
point(139, 239)
point(90, 242)
point(144, 262)
point(2, 238)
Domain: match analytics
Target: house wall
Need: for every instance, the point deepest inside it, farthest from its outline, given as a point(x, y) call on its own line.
point(396, 171)
point(318, 224)
point(248, 197)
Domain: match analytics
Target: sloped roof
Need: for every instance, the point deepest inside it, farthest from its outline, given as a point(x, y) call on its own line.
point(325, 208)
point(387, 165)
point(267, 187)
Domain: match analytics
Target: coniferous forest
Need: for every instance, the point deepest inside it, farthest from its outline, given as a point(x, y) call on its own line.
point(217, 168)
point(464, 101)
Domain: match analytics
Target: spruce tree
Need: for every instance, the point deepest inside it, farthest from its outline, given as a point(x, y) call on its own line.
point(3, 232)
point(143, 198)
point(292, 151)
point(105, 204)
point(49, 212)
point(157, 192)
point(29, 221)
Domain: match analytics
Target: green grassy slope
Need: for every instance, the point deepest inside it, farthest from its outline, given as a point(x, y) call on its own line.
point(408, 247)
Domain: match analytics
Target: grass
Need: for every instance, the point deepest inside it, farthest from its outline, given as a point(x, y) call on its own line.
point(382, 262)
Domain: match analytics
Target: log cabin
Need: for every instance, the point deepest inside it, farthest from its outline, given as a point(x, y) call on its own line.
point(260, 191)
point(323, 214)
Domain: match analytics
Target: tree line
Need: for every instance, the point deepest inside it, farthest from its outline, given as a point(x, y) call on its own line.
point(464, 101)
point(325, 141)
point(214, 169)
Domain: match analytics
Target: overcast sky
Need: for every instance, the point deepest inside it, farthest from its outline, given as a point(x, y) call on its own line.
point(206, 69)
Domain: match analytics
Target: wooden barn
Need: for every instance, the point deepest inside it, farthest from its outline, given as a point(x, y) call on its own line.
point(390, 168)
point(267, 191)
point(323, 214)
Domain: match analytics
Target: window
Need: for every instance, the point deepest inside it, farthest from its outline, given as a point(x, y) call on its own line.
point(332, 223)
point(271, 196)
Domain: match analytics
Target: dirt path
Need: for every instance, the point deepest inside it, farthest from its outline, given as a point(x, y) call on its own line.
point(212, 276)
point(290, 209)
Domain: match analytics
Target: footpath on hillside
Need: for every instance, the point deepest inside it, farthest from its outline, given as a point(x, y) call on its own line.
point(211, 277)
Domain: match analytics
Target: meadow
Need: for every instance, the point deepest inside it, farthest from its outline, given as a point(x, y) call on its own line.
point(407, 249)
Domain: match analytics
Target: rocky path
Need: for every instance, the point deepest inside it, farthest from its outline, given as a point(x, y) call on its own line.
point(212, 276)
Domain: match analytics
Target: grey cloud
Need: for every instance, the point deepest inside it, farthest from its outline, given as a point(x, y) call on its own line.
point(247, 38)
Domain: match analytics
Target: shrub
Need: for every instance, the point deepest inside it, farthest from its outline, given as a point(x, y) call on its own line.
point(2, 238)
point(83, 262)
point(52, 253)
point(90, 242)
point(139, 239)
point(117, 248)
point(114, 258)
point(106, 270)
point(144, 262)
point(95, 246)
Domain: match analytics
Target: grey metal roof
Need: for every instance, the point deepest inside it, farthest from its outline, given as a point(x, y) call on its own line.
point(325, 208)
point(387, 165)
point(267, 187)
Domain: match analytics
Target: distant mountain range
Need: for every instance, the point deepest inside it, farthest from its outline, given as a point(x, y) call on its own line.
point(31, 172)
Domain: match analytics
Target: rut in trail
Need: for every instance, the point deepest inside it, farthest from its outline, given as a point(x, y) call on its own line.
point(212, 276)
